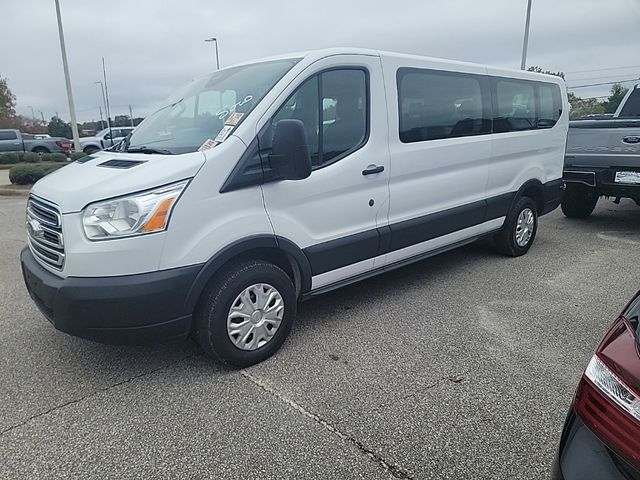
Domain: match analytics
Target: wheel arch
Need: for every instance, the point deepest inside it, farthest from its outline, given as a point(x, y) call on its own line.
point(533, 189)
point(277, 250)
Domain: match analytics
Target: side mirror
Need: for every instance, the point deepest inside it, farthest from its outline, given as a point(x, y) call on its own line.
point(290, 158)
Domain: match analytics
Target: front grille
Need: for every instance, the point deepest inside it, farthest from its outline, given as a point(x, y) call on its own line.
point(44, 232)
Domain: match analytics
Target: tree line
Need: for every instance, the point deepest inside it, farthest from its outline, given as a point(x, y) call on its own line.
point(583, 107)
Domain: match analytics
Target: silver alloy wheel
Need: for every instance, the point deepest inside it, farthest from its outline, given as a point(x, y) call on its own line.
point(255, 316)
point(525, 226)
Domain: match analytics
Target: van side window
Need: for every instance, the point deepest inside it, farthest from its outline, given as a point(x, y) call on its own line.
point(550, 105)
point(303, 106)
point(333, 108)
point(344, 112)
point(435, 105)
point(515, 106)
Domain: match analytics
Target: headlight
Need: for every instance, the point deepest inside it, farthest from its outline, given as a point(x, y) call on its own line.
point(137, 214)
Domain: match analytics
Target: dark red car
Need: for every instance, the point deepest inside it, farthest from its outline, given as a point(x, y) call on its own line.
point(601, 436)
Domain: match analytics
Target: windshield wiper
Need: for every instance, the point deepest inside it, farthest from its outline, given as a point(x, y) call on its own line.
point(144, 149)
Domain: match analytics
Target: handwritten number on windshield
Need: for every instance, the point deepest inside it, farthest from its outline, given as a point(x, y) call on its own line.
point(226, 111)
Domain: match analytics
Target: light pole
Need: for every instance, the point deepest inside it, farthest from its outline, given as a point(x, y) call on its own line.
point(33, 115)
point(106, 96)
point(215, 40)
point(104, 103)
point(525, 43)
point(42, 115)
point(67, 79)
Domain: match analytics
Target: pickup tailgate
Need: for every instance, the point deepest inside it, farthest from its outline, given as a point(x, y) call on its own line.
point(605, 143)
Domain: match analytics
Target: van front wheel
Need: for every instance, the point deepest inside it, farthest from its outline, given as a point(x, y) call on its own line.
point(246, 313)
point(520, 227)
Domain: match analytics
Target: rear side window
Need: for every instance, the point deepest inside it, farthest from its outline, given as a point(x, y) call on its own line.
point(435, 105)
point(333, 108)
point(515, 105)
point(550, 105)
point(631, 108)
point(8, 135)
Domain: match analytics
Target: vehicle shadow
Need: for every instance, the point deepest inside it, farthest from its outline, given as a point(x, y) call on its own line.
point(609, 219)
point(425, 272)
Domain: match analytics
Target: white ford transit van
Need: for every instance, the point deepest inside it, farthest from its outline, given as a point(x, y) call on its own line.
point(269, 182)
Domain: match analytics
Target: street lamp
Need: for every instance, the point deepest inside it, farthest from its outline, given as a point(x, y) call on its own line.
point(67, 79)
point(215, 40)
point(525, 42)
point(33, 115)
point(104, 103)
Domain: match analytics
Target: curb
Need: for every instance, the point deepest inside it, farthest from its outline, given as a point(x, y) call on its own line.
point(13, 192)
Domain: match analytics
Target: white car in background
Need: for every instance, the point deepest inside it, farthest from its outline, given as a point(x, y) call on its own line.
point(103, 139)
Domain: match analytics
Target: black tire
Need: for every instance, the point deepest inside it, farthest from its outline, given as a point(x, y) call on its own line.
point(41, 150)
point(210, 317)
point(579, 201)
point(90, 150)
point(505, 241)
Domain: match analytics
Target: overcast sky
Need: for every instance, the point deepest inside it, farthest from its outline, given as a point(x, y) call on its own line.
point(152, 47)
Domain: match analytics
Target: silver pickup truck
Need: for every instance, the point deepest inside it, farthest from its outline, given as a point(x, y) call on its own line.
point(16, 141)
point(603, 158)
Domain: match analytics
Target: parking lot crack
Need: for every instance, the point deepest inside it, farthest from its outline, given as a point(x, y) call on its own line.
point(95, 392)
point(394, 469)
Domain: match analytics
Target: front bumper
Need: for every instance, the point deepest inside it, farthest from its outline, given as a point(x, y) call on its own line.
point(582, 456)
point(132, 309)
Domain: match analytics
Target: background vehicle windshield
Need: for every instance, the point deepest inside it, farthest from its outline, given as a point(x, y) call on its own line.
point(199, 111)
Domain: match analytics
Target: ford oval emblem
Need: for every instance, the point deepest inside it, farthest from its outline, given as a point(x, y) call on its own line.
point(631, 139)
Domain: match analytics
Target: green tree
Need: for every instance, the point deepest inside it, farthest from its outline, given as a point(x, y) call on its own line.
point(7, 100)
point(537, 69)
point(582, 107)
point(59, 128)
point(615, 98)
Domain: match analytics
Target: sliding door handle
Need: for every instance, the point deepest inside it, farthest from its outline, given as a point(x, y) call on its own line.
point(373, 169)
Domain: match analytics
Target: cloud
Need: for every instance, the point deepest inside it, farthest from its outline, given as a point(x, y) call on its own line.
point(153, 47)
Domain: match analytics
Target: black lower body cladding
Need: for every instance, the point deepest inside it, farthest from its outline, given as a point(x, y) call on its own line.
point(341, 252)
point(131, 309)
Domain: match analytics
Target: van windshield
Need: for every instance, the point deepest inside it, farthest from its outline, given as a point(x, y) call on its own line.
point(208, 108)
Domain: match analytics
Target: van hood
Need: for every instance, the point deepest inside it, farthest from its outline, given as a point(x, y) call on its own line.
point(80, 183)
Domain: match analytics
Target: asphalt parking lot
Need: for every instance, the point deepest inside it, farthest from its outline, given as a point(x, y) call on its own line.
point(461, 366)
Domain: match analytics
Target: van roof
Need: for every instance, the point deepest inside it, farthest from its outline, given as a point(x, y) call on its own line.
point(312, 55)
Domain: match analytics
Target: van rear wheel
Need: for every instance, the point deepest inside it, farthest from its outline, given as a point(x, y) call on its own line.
point(246, 313)
point(579, 201)
point(520, 228)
